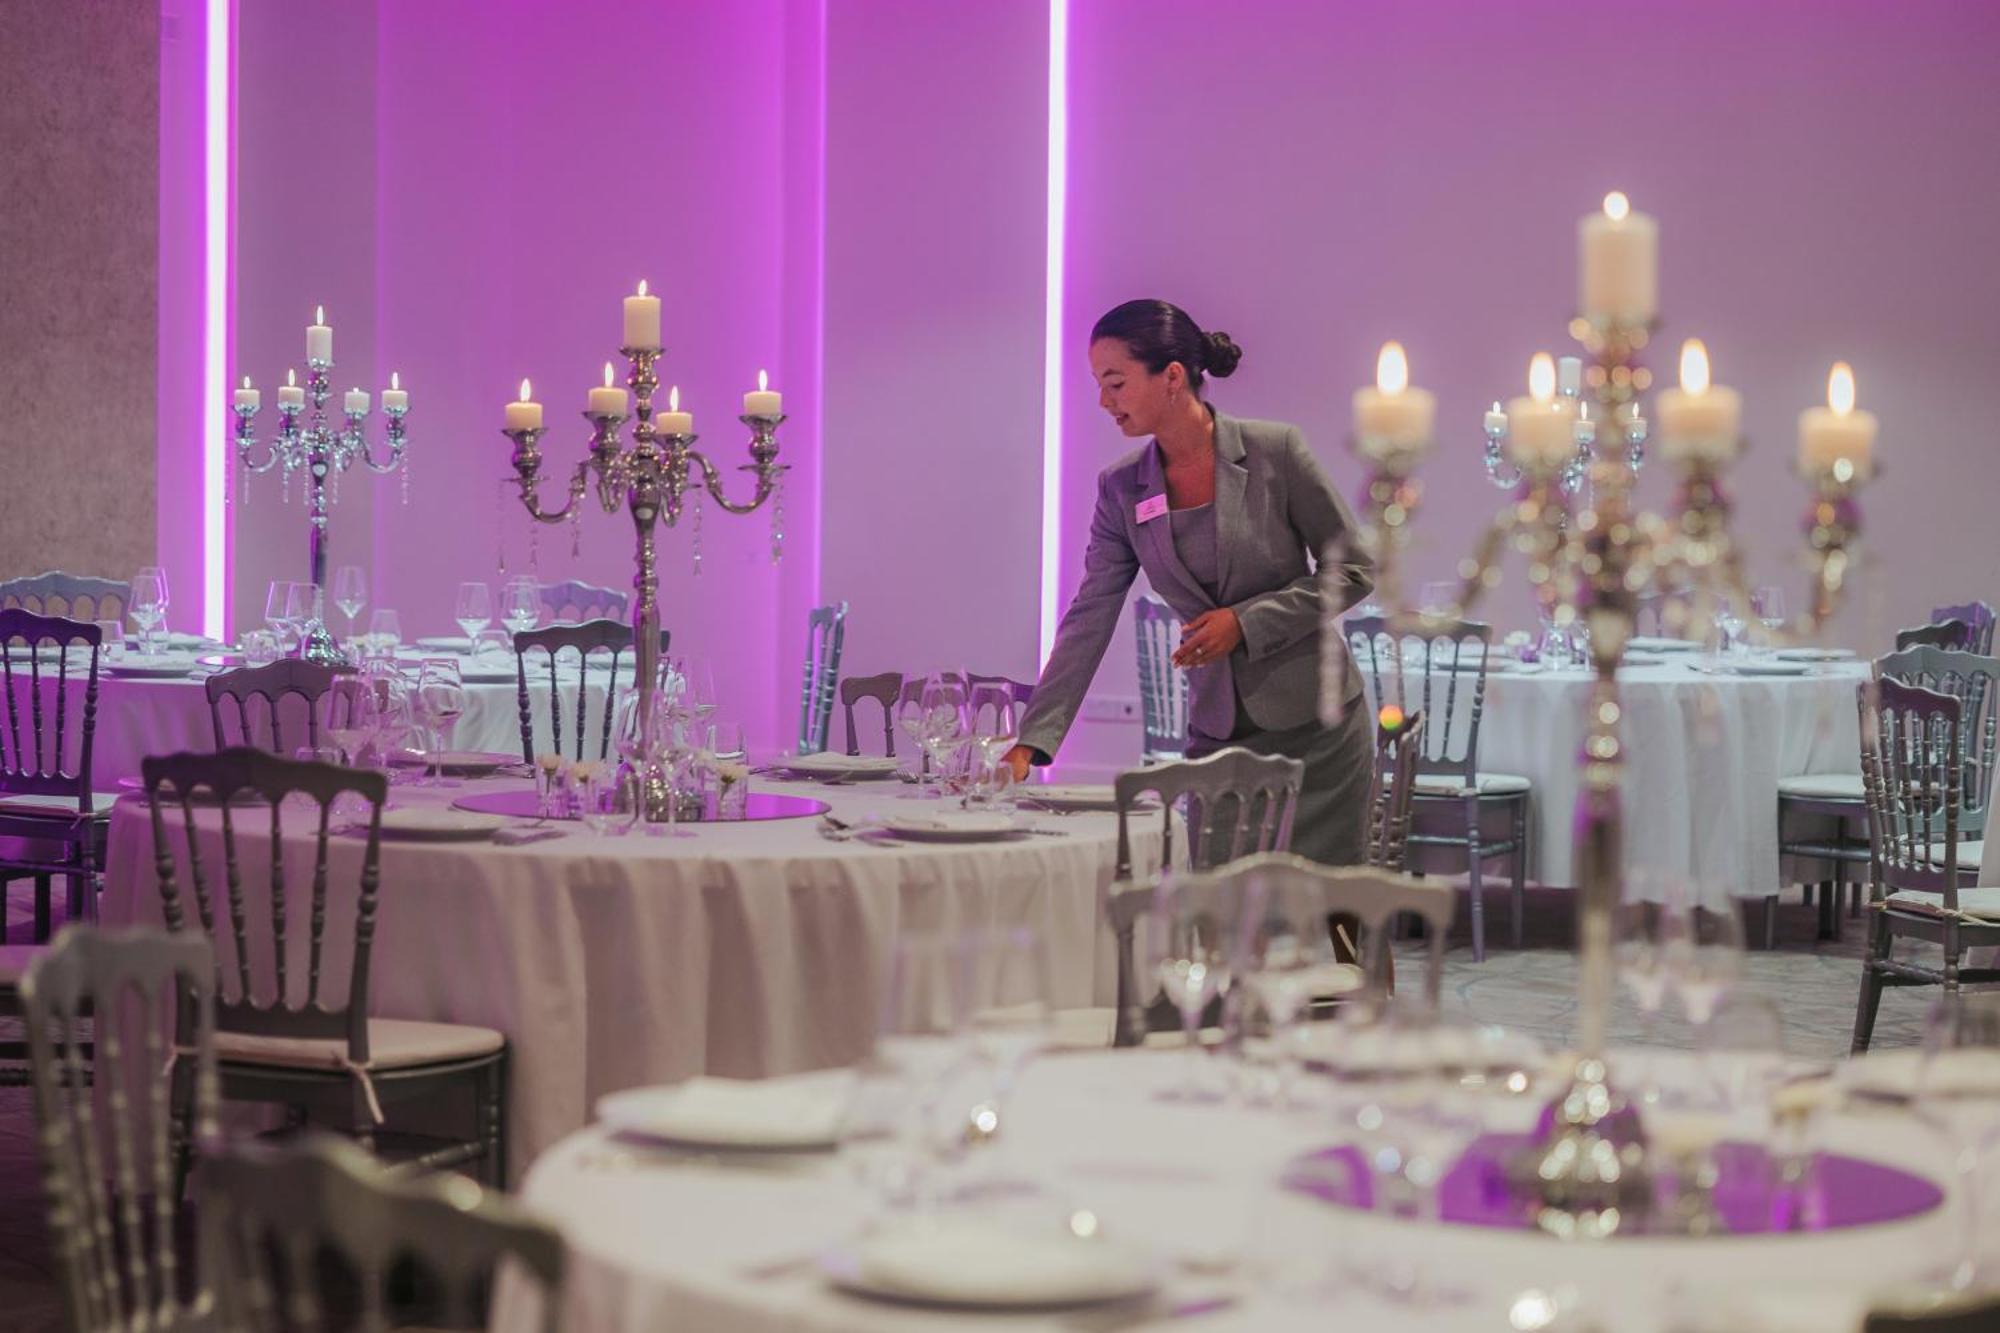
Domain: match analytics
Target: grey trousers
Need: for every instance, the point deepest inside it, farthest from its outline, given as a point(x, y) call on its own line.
point(1331, 825)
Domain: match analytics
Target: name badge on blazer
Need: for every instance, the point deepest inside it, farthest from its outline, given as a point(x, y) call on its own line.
point(1150, 508)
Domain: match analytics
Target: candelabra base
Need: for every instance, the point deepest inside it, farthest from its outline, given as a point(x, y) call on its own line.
point(317, 644)
point(1588, 1163)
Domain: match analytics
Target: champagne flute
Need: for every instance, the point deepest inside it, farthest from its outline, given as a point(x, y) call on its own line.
point(350, 593)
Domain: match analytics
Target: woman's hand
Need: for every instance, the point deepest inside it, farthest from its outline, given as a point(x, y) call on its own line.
point(1209, 637)
point(1019, 760)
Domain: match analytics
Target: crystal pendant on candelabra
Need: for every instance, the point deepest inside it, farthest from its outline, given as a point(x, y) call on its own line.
point(695, 534)
point(778, 520)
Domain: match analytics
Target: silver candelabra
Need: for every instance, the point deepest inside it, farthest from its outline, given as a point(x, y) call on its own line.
point(321, 451)
point(651, 479)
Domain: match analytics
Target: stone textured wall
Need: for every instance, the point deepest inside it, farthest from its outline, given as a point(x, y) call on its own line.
point(79, 192)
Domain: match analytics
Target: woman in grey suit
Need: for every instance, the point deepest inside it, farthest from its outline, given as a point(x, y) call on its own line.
point(1227, 517)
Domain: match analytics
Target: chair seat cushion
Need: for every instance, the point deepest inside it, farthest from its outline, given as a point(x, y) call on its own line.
point(1822, 787)
point(1971, 855)
point(393, 1043)
point(1976, 904)
point(58, 806)
point(1490, 784)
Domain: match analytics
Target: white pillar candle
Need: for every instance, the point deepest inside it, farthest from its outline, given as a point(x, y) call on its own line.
point(1541, 428)
point(526, 414)
point(395, 398)
point(608, 401)
point(673, 421)
point(1618, 263)
point(247, 397)
point(1699, 420)
point(1838, 431)
point(1496, 420)
point(355, 403)
point(319, 337)
point(642, 320)
point(763, 402)
point(1569, 376)
point(1391, 417)
point(289, 393)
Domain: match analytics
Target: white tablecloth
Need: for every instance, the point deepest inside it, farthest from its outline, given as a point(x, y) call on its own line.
point(743, 949)
point(1704, 753)
point(665, 1242)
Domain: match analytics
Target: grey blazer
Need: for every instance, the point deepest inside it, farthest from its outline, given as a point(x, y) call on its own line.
point(1276, 515)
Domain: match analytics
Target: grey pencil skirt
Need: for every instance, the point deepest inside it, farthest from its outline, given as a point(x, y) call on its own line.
point(1331, 825)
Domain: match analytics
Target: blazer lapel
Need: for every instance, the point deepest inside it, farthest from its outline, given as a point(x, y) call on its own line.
point(1231, 480)
point(1170, 578)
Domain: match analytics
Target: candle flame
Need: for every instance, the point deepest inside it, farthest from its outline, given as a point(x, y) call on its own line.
point(1542, 377)
point(674, 398)
point(607, 374)
point(763, 380)
point(292, 377)
point(395, 379)
point(1392, 368)
point(1616, 206)
point(527, 392)
point(1694, 367)
point(1840, 389)
point(642, 286)
point(319, 314)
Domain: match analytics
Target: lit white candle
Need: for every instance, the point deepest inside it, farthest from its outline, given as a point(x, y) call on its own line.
point(247, 397)
point(642, 320)
point(1541, 428)
point(673, 421)
point(1496, 420)
point(289, 393)
point(1391, 417)
point(319, 337)
point(1699, 420)
point(1838, 431)
point(1618, 262)
point(525, 414)
point(395, 398)
point(356, 402)
point(763, 402)
point(608, 401)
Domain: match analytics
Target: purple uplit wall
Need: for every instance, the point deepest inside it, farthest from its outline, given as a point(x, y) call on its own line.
point(1316, 179)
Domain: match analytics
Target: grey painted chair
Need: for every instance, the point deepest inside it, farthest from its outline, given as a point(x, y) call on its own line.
point(78, 596)
point(1439, 671)
point(1397, 752)
point(408, 1250)
point(826, 633)
point(55, 823)
point(1978, 618)
point(1163, 691)
point(573, 602)
point(1023, 692)
point(230, 692)
point(884, 689)
point(592, 636)
point(136, 1010)
point(1912, 771)
point(292, 1031)
point(1233, 802)
point(1974, 680)
point(1947, 633)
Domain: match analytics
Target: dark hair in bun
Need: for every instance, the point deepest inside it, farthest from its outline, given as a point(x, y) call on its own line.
point(1159, 333)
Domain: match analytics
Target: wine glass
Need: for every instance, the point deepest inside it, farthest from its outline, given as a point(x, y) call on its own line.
point(275, 611)
point(440, 701)
point(1729, 625)
point(350, 593)
point(945, 725)
point(1287, 962)
point(1438, 598)
point(396, 714)
point(606, 797)
point(301, 609)
point(147, 603)
point(1190, 950)
point(701, 700)
point(1956, 1086)
point(995, 724)
point(910, 721)
point(1768, 604)
point(921, 1047)
point(521, 604)
point(475, 610)
point(353, 713)
point(385, 630)
point(1704, 952)
point(1012, 1018)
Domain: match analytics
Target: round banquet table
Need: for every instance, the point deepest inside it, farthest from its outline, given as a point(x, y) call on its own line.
point(729, 1245)
point(142, 715)
point(1704, 753)
point(741, 949)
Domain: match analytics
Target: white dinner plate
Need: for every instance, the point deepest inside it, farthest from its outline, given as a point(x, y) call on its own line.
point(1814, 654)
point(797, 1113)
point(1655, 645)
point(136, 667)
point(435, 823)
point(1071, 795)
point(839, 767)
point(445, 643)
point(1642, 659)
point(951, 826)
point(474, 671)
point(989, 1265)
point(1767, 668)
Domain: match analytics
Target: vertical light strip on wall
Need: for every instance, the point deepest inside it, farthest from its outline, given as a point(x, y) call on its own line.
point(217, 99)
point(1052, 330)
